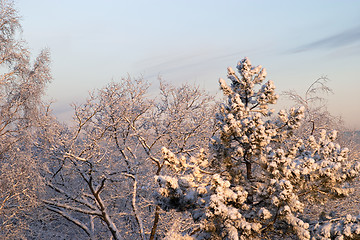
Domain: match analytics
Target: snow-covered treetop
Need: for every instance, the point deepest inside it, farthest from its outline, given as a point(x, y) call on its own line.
point(243, 87)
point(261, 174)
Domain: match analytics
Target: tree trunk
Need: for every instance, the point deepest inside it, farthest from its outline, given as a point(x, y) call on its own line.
point(156, 220)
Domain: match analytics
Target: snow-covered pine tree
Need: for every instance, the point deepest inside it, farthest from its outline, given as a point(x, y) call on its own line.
point(260, 175)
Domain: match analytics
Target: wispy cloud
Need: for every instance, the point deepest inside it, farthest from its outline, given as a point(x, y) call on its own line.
point(343, 39)
point(189, 62)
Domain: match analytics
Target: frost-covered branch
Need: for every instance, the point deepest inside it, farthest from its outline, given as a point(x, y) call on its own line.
point(73, 220)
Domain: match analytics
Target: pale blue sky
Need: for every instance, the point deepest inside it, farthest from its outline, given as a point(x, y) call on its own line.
point(94, 42)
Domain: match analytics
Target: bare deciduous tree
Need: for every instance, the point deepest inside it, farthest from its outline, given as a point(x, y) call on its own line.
point(22, 84)
point(102, 176)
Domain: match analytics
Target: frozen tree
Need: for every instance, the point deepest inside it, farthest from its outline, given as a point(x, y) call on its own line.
point(94, 174)
point(316, 114)
point(260, 176)
point(22, 83)
point(317, 118)
point(101, 174)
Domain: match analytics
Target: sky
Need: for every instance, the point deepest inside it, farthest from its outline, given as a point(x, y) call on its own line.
point(95, 42)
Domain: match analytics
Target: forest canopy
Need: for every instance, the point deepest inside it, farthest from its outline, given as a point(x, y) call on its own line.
point(180, 165)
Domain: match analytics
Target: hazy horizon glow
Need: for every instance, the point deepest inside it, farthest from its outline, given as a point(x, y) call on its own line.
point(95, 42)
